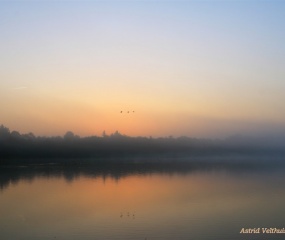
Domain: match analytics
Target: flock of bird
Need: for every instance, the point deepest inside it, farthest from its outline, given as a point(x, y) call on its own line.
point(128, 112)
point(128, 215)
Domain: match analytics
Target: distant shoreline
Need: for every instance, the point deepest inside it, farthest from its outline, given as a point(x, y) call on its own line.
point(16, 148)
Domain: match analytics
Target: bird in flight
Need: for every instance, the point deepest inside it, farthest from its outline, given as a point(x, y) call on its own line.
point(128, 111)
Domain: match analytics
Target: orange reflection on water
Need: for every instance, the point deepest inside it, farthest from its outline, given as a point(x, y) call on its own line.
point(138, 205)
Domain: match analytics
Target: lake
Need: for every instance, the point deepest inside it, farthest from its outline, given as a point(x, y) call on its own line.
point(84, 203)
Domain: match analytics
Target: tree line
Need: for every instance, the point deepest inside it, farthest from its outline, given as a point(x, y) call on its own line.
point(16, 147)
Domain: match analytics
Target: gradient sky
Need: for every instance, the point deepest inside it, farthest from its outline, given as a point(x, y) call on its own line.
point(195, 68)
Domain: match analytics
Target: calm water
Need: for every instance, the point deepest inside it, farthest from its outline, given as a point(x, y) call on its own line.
point(80, 204)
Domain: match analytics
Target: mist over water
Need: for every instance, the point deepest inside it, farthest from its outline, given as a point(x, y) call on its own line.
point(21, 149)
point(196, 86)
point(141, 202)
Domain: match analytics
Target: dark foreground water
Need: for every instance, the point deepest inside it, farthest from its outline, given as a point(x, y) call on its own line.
point(142, 202)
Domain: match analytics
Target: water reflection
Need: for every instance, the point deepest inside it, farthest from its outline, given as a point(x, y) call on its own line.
point(14, 174)
point(142, 201)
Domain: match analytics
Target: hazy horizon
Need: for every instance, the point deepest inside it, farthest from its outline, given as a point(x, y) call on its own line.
point(186, 68)
point(273, 136)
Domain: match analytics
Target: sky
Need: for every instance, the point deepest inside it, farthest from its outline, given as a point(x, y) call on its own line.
point(196, 68)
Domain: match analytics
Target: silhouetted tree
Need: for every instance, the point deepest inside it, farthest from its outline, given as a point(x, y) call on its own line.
point(15, 135)
point(69, 136)
point(4, 132)
point(116, 135)
point(104, 134)
point(29, 136)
